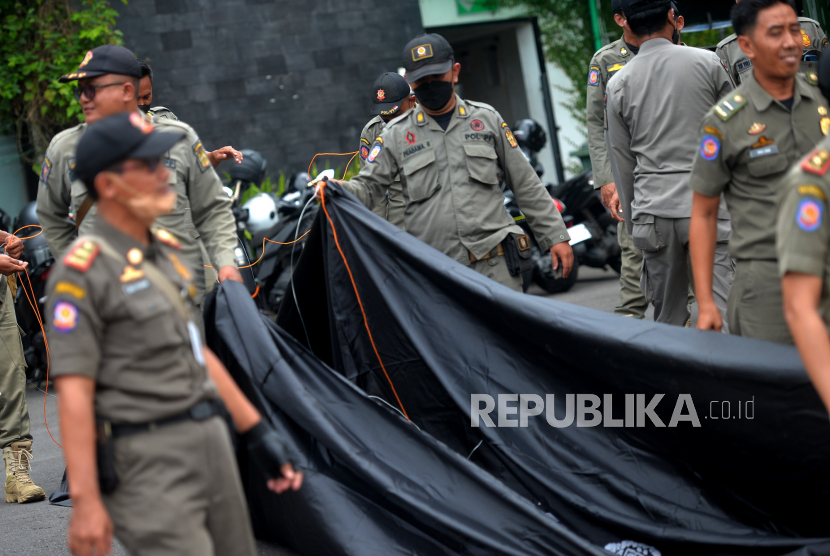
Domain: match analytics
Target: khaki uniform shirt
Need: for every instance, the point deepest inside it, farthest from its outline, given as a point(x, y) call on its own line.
point(749, 141)
point(372, 131)
point(108, 321)
point(450, 181)
point(162, 112)
point(812, 37)
point(803, 229)
point(202, 209)
point(655, 106)
point(606, 62)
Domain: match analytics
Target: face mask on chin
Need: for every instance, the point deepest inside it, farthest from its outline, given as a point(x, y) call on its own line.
point(146, 207)
point(434, 95)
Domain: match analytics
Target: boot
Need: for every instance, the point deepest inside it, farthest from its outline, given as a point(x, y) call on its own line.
point(19, 485)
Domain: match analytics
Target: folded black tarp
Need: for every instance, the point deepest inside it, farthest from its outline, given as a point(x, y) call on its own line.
point(750, 479)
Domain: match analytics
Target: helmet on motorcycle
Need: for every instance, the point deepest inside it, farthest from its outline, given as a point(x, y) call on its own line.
point(299, 182)
point(530, 134)
point(262, 213)
point(251, 169)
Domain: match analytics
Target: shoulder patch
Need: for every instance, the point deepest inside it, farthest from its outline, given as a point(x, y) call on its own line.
point(81, 256)
point(45, 169)
point(809, 215)
point(364, 151)
point(729, 106)
point(509, 134)
point(374, 152)
point(167, 238)
point(201, 156)
point(812, 77)
point(817, 162)
point(65, 316)
point(593, 76)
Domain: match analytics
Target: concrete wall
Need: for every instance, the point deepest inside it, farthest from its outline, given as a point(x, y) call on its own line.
point(289, 78)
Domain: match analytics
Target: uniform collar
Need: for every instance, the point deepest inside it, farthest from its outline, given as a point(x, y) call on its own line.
point(653, 44)
point(762, 100)
point(461, 110)
point(121, 242)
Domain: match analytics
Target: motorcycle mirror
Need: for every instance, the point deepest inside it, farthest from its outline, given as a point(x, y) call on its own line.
point(325, 174)
point(228, 191)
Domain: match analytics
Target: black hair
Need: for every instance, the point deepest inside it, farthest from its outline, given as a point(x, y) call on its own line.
point(745, 13)
point(91, 191)
point(146, 71)
point(649, 21)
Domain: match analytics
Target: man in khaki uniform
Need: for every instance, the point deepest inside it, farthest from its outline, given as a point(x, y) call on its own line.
point(654, 105)
point(812, 40)
point(15, 437)
point(749, 141)
point(448, 152)
point(147, 454)
point(202, 209)
point(391, 98)
point(606, 62)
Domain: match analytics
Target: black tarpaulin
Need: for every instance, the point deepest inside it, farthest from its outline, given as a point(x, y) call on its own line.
point(743, 482)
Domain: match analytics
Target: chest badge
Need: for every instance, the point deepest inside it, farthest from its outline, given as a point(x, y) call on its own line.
point(825, 125)
point(131, 274)
point(410, 137)
point(762, 142)
point(623, 51)
point(135, 256)
point(476, 125)
point(756, 128)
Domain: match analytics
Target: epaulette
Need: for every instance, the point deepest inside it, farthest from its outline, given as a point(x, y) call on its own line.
point(167, 238)
point(482, 105)
point(817, 162)
point(729, 106)
point(82, 255)
point(162, 112)
point(727, 40)
point(812, 78)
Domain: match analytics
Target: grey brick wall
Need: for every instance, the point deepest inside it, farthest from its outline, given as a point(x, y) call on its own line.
point(289, 78)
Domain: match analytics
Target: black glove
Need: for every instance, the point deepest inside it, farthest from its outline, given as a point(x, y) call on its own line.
point(267, 449)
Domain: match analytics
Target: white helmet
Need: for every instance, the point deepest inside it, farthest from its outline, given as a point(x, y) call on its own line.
point(262, 213)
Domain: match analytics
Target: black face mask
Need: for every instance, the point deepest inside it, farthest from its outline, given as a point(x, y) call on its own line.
point(144, 108)
point(675, 37)
point(434, 95)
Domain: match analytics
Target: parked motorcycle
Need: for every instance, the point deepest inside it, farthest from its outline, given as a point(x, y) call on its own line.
point(40, 259)
point(592, 229)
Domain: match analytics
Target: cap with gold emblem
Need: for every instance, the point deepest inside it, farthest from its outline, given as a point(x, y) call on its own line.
point(106, 59)
point(389, 90)
point(427, 55)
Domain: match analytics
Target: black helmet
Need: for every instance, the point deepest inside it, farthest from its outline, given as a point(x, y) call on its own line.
point(530, 134)
point(252, 168)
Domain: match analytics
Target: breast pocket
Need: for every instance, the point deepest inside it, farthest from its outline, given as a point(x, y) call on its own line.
point(767, 165)
point(421, 176)
point(481, 163)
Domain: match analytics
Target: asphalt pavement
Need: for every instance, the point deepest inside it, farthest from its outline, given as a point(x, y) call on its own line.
point(39, 529)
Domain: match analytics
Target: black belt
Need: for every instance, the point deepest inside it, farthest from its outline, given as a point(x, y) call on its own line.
point(205, 409)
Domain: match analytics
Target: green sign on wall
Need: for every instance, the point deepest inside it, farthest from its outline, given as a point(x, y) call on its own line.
point(474, 6)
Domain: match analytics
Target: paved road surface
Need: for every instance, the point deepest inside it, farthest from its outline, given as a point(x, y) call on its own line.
point(40, 529)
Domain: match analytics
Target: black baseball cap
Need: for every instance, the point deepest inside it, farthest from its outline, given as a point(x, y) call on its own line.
point(616, 5)
point(387, 93)
point(632, 7)
point(427, 55)
point(118, 138)
point(103, 60)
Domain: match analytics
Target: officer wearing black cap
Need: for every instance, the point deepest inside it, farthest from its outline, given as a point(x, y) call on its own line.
point(148, 457)
point(391, 98)
point(749, 141)
point(449, 152)
point(655, 105)
point(108, 80)
point(606, 62)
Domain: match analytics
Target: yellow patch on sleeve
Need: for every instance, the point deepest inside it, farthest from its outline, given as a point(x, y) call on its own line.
point(71, 289)
point(813, 190)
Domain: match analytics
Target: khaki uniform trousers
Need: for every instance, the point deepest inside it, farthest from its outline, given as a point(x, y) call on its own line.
point(756, 304)
point(14, 413)
point(667, 269)
point(179, 493)
point(632, 301)
point(495, 268)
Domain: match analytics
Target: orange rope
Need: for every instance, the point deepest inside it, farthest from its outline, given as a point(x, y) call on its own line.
point(359, 302)
point(346, 171)
point(310, 164)
point(263, 250)
point(40, 322)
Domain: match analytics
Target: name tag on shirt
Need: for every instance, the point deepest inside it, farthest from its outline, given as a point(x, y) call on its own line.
point(196, 342)
point(763, 151)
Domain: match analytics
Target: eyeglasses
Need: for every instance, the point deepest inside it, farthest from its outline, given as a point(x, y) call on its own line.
point(151, 164)
point(89, 90)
